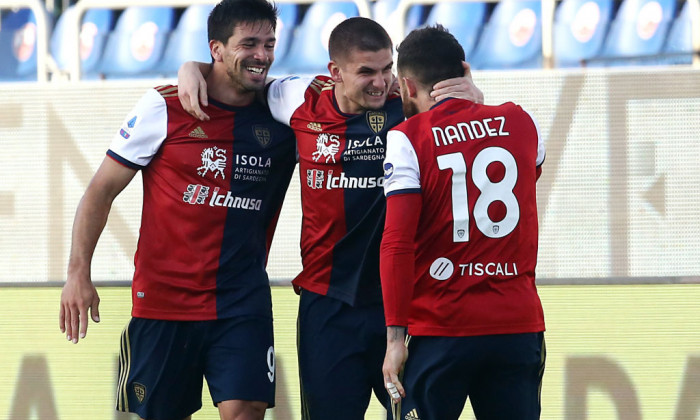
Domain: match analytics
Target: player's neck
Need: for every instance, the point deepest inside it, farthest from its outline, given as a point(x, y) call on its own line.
point(424, 101)
point(344, 104)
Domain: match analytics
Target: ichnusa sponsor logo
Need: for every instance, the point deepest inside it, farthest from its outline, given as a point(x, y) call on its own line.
point(314, 178)
point(195, 194)
point(198, 194)
point(342, 181)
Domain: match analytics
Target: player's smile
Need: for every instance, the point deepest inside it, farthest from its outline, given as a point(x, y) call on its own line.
point(365, 78)
point(256, 70)
point(248, 54)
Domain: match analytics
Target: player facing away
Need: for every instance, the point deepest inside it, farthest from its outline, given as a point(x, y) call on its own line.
point(459, 249)
point(340, 122)
point(212, 192)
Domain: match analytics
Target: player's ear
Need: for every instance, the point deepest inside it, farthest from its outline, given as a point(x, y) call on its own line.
point(335, 71)
point(467, 69)
point(410, 86)
point(216, 48)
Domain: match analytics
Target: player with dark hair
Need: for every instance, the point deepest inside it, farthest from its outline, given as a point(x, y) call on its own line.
point(460, 247)
point(340, 122)
point(202, 305)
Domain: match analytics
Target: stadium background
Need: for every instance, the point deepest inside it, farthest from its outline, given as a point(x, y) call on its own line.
point(618, 267)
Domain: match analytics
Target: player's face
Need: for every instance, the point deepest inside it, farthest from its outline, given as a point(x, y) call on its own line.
point(409, 107)
point(248, 55)
point(365, 78)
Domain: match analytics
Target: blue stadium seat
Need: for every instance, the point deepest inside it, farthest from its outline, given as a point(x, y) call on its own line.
point(638, 30)
point(580, 27)
point(384, 13)
point(308, 52)
point(287, 20)
point(512, 38)
point(189, 41)
point(679, 42)
point(463, 20)
point(137, 43)
point(96, 25)
point(18, 37)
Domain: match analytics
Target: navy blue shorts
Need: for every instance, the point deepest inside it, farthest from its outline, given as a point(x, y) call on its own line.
point(341, 351)
point(162, 363)
point(501, 375)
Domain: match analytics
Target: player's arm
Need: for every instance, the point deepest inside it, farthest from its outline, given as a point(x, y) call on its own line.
point(397, 266)
point(79, 294)
point(458, 87)
point(397, 254)
point(192, 87)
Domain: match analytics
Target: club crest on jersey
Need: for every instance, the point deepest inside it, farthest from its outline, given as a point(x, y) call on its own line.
point(196, 194)
point(327, 146)
point(314, 178)
point(214, 160)
point(376, 120)
point(126, 131)
point(140, 391)
point(262, 134)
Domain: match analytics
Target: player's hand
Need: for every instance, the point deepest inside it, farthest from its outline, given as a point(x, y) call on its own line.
point(396, 355)
point(192, 90)
point(458, 87)
point(77, 298)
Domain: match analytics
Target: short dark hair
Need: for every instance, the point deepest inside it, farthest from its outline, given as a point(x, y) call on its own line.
point(430, 54)
point(226, 15)
point(358, 33)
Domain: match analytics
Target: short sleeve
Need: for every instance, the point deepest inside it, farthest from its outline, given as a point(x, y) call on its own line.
point(142, 132)
point(285, 95)
point(540, 141)
point(401, 170)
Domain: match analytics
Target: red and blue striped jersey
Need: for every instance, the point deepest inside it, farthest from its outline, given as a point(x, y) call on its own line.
point(340, 165)
point(212, 192)
point(473, 234)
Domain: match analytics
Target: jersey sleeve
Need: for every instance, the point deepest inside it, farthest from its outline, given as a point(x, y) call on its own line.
point(540, 141)
point(285, 95)
point(397, 256)
point(142, 132)
point(401, 170)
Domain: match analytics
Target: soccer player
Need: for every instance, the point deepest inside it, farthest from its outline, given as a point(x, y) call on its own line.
point(459, 248)
point(212, 192)
point(340, 122)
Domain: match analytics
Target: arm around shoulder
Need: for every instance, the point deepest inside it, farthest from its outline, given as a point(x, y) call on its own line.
point(192, 88)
